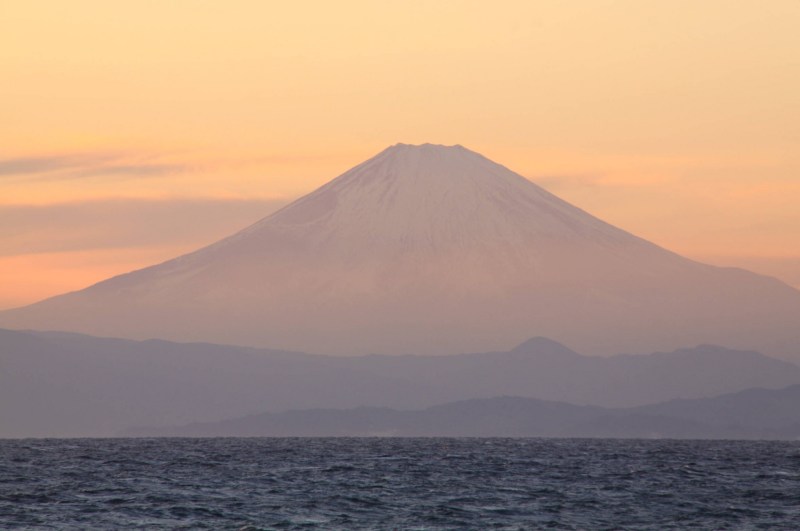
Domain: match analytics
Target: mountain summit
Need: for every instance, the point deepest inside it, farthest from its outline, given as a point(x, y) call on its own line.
point(426, 249)
point(430, 199)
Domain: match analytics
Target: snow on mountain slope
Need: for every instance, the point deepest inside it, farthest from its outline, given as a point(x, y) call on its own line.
point(428, 249)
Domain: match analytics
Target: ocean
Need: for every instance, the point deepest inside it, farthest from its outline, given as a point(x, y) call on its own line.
point(250, 484)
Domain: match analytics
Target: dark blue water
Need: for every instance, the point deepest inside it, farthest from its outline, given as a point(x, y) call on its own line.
point(398, 484)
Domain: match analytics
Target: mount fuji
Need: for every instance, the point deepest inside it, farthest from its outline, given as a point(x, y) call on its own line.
point(432, 249)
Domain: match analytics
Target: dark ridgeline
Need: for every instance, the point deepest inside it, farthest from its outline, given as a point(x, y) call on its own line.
point(751, 414)
point(56, 384)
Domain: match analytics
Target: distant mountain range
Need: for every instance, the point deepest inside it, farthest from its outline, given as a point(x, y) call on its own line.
point(430, 250)
point(752, 414)
point(60, 384)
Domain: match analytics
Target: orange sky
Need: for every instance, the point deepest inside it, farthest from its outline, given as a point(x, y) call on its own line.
point(133, 131)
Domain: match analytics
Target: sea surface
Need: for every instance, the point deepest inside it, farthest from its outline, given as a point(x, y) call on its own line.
point(375, 483)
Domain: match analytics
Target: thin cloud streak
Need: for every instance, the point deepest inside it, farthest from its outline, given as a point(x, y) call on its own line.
point(23, 166)
point(128, 170)
point(67, 167)
point(558, 182)
point(124, 223)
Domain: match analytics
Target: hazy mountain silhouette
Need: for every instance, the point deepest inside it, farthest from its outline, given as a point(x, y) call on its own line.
point(61, 384)
point(495, 417)
point(765, 409)
point(544, 369)
point(432, 249)
point(746, 415)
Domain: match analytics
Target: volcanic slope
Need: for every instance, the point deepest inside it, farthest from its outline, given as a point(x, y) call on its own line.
point(432, 249)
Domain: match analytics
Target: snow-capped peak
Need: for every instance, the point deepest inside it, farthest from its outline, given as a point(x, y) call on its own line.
point(435, 197)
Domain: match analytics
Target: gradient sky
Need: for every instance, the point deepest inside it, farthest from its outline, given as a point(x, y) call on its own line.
point(133, 131)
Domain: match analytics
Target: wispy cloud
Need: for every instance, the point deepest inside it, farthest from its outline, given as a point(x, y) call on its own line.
point(24, 166)
point(126, 171)
point(124, 223)
point(616, 180)
point(559, 182)
point(84, 166)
